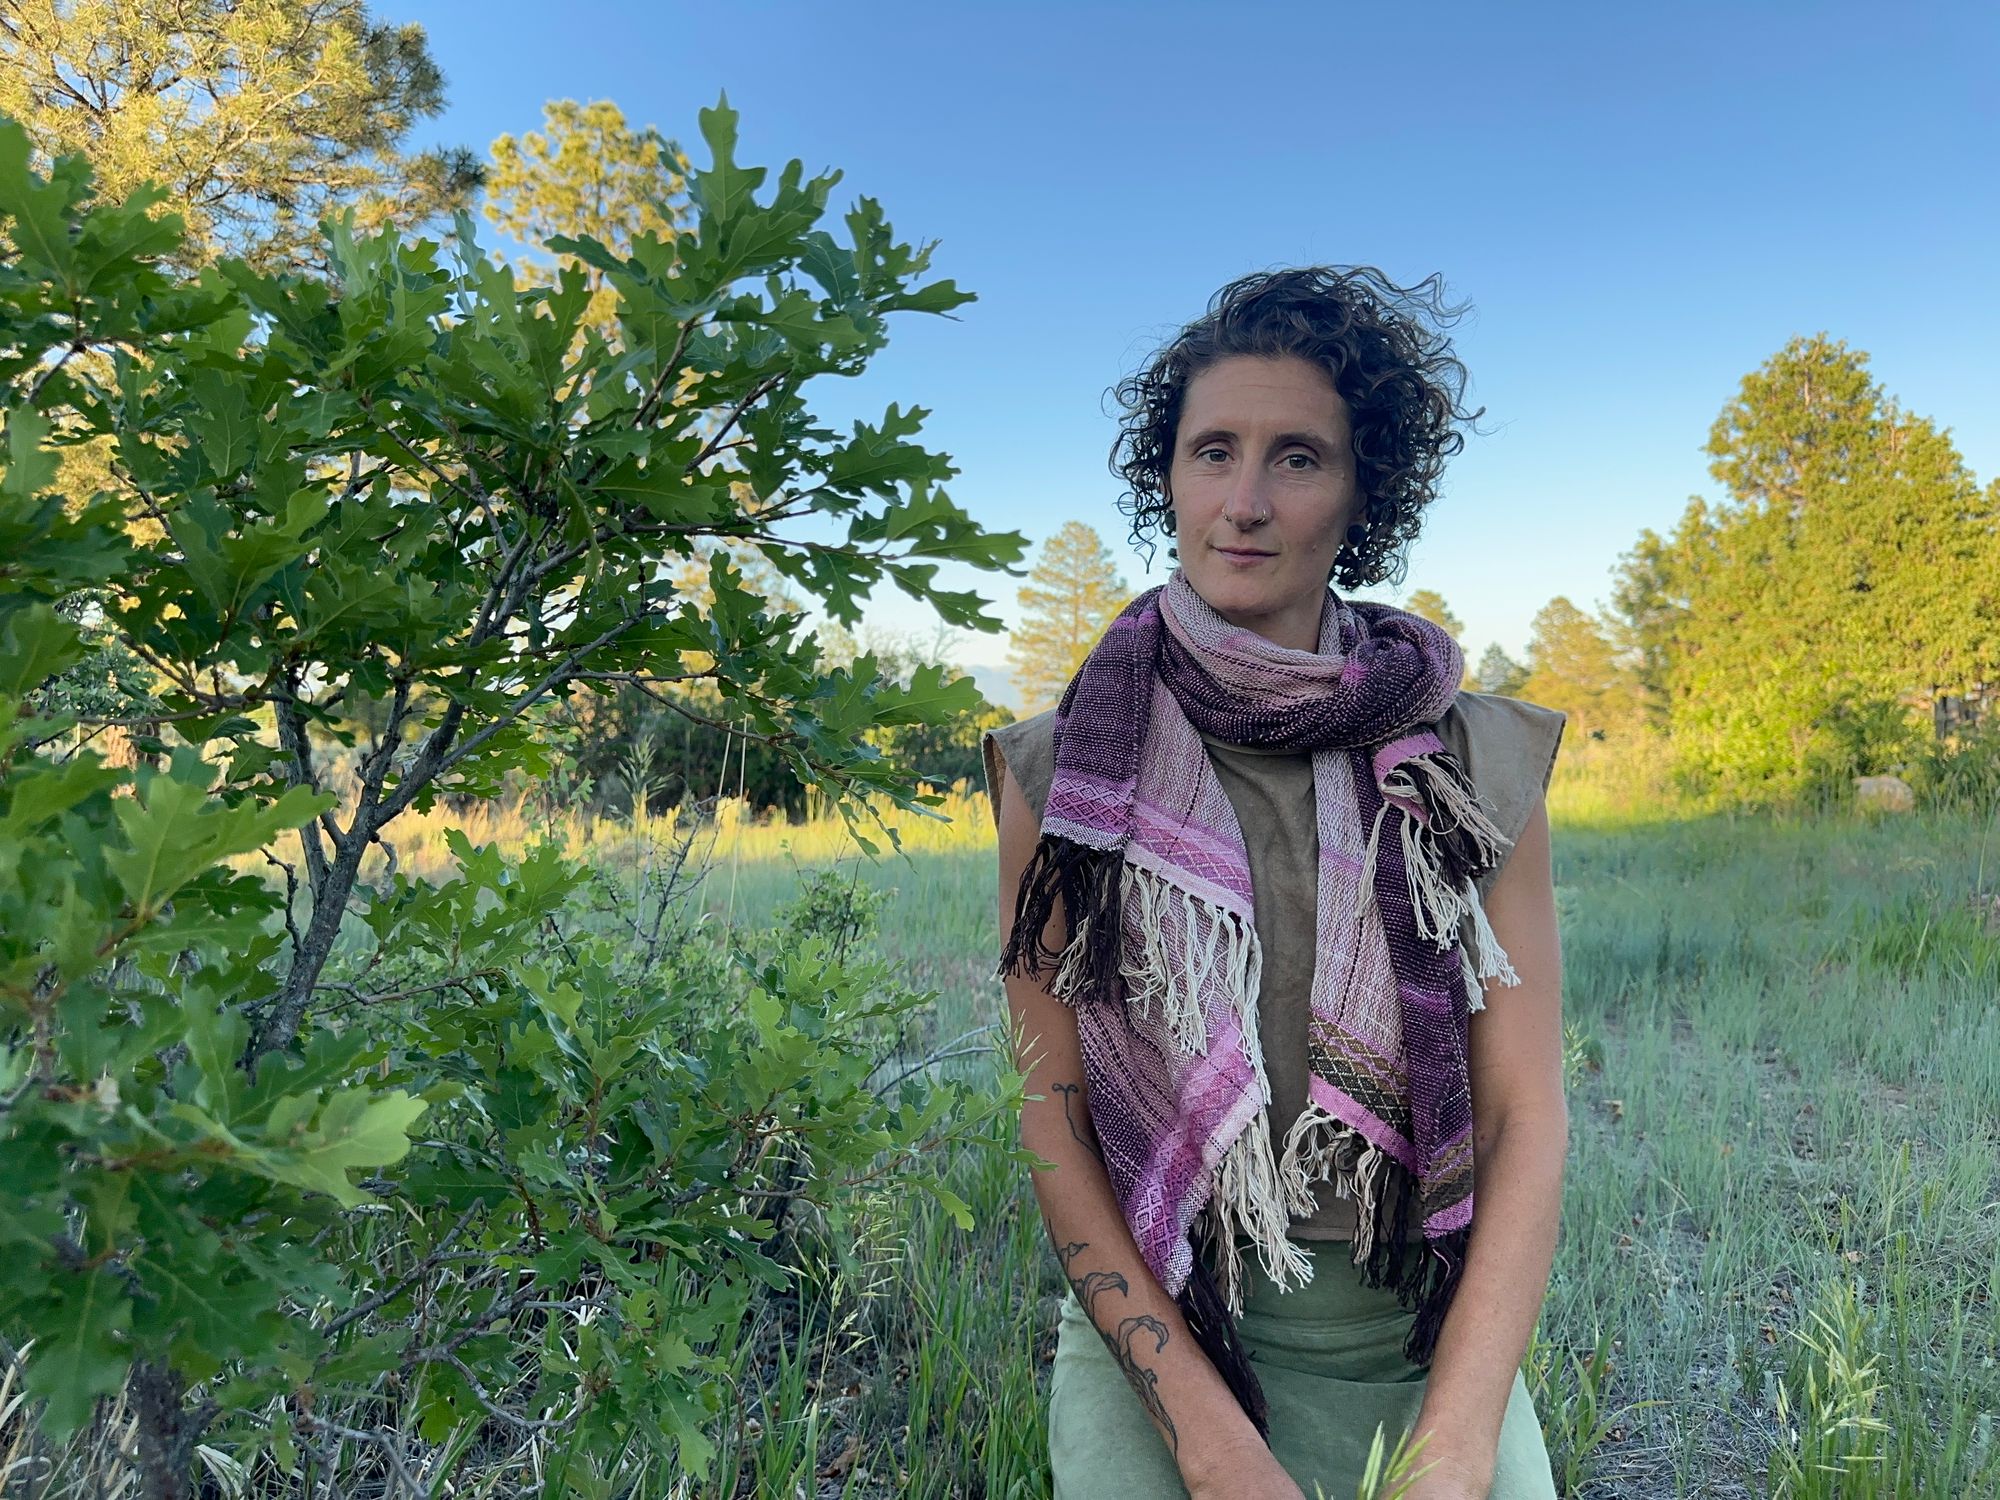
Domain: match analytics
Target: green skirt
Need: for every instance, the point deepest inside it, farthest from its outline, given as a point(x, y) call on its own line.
point(1330, 1358)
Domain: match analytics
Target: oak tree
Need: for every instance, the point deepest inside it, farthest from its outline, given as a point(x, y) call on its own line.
point(410, 484)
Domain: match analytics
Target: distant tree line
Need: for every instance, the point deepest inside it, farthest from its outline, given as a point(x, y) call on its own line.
point(623, 748)
point(1833, 615)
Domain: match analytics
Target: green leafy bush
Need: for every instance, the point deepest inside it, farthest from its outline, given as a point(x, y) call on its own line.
point(297, 1161)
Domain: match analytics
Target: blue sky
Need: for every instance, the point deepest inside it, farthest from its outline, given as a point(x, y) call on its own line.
point(1642, 204)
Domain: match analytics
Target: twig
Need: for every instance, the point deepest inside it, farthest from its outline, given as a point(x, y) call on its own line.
point(291, 897)
point(463, 981)
point(936, 1057)
point(388, 1442)
point(76, 347)
point(382, 1299)
point(500, 1413)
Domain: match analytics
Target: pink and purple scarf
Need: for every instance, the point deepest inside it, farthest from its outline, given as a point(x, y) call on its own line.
point(1162, 963)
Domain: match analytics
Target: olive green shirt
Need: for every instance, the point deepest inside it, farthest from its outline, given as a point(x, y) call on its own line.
point(1508, 748)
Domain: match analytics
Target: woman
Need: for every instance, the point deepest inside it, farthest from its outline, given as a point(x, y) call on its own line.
point(1258, 871)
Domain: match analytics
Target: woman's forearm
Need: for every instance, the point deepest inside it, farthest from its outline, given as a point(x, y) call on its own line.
point(1190, 1405)
point(1518, 1186)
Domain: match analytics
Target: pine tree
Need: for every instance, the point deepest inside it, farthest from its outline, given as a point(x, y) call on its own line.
point(1429, 604)
point(586, 173)
point(1644, 615)
point(1500, 673)
point(1070, 599)
point(258, 117)
point(1572, 667)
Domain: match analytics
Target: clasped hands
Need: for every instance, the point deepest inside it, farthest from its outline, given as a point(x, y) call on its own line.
point(1253, 1473)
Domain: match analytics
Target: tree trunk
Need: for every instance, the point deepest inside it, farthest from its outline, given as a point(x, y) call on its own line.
point(167, 1433)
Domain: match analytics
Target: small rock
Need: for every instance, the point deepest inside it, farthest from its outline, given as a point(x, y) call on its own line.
point(1884, 794)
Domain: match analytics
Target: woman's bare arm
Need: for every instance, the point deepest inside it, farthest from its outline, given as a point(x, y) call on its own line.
point(1196, 1414)
point(1520, 1142)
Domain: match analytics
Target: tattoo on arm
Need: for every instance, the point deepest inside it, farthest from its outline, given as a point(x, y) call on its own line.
point(1069, 1091)
point(1093, 1285)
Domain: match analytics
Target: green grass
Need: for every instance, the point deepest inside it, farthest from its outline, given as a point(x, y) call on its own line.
point(1779, 1268)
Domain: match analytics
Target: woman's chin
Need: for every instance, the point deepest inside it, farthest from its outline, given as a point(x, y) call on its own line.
point(1239, 600)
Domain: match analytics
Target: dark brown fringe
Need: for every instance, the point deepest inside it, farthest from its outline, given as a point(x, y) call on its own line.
point(1424, 1281)
point(1460, 855)
point(1087, 882)
point(1208, 1320)
point(1435, 1287)
point(1384, 1266)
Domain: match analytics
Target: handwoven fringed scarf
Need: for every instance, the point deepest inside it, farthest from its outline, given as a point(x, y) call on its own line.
point(1162, 962)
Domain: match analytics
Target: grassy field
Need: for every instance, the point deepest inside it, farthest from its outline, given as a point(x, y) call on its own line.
point(1779, 1269)
point(1779, 1266)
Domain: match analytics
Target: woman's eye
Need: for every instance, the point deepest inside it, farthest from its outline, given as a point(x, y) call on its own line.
point(1206, 451)
point(1306, 456)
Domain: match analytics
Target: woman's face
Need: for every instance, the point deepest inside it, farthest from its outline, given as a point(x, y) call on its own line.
point(1263, 488)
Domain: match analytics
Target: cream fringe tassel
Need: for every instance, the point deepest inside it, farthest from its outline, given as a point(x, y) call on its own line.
point(1312, 1154)
point(1248, 1199)
point(1439, 909)
point(1223, 951)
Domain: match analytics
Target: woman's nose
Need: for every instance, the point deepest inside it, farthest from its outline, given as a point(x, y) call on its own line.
point(1245, 506)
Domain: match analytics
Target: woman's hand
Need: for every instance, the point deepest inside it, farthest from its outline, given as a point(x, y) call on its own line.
point(1447, 1479)
point(1247, 1472)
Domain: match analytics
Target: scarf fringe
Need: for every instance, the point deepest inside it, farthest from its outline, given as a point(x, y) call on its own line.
point(1249, 1200)
point(1385, 1197)
point(1321, 1147)
point(1429, 1282)
point(1483, 958)
point(1441, 865)
point(1470, 836)
point(1214, 946)
point(1087, 883)
point(1424, 1282)
point(1440, 853)
point(1441, 1266)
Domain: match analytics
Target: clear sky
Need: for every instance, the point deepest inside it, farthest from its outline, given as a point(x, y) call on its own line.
point(1641, 203)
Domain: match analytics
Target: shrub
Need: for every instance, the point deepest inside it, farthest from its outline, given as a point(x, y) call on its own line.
point(296, 1161)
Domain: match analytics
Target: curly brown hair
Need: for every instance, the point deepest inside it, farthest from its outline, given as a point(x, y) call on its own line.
point(1402, 385)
